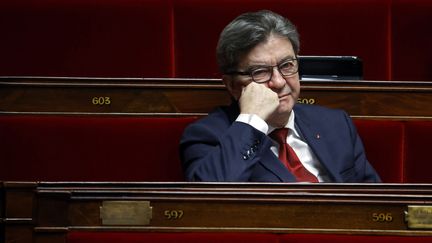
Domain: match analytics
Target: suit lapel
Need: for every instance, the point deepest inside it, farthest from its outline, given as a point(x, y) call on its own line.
point(317, 143)
point(273, 164)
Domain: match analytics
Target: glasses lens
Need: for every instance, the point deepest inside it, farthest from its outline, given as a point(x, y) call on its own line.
point(288, 67)
point(261, 75)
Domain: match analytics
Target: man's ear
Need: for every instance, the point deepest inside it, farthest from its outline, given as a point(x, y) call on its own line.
point(231, 86)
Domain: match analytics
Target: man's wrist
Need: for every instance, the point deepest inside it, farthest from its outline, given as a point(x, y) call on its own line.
point(255, 121)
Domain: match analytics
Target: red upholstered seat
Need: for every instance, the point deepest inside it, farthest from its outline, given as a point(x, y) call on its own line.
point(334, 238)
point(102, 38)
point(129, 237)
point(411, 43)
point(384, 144)
point(54, 148)
point(134, 237)
point(418, 152)
point(332, 27)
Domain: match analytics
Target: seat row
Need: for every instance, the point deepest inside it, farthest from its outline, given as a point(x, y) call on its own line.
point(177, 38)
point(113, 148)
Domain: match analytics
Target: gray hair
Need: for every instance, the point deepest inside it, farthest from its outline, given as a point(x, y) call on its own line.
point(248, 30)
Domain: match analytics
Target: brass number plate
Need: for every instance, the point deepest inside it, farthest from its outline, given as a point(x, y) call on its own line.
point(125, 213)
point(419, 217)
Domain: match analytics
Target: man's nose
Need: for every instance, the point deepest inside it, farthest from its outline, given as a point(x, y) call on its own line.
point(277, 80)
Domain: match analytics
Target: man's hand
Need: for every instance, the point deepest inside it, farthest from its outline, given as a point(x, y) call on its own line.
point(259, 100)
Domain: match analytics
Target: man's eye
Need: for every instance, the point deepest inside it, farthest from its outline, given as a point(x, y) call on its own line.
point(287, 65)
point(260, 72)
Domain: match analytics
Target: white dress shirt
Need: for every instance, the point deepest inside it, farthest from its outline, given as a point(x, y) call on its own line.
point(294, 139)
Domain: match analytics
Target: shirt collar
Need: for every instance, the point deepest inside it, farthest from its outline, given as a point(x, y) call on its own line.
point(290, 123)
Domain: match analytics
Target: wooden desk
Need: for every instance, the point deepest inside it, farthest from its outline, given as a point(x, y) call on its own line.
point(46, 212)
point(185, 97)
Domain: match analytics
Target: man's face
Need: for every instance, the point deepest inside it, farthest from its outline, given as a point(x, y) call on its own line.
point(270, 53)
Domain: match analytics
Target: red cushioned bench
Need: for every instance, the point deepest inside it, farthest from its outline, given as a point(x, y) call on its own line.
point(153, 38)
point(52, 148)
point(91, 148)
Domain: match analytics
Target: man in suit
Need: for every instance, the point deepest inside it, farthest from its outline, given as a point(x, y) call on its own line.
point(257, 55)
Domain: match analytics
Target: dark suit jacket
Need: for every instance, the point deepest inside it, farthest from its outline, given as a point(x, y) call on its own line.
point(216, 148)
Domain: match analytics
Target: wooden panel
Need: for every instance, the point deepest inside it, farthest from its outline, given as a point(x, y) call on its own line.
point(180, 97)
point(18, 233)
point(225, 207)
point(125, 96)
point(2, 228)
point(256, 207)
point(19, 209)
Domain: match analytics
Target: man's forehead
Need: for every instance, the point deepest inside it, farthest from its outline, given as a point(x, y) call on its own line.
point(268, 53)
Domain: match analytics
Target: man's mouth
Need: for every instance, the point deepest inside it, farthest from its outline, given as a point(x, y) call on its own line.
point(283, 96)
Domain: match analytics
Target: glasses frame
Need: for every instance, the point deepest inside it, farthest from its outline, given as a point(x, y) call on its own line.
point(250, 72)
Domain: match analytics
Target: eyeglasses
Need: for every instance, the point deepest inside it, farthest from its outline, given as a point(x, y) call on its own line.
point(263, 74)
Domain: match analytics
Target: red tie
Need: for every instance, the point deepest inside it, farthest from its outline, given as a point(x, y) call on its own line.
point(289, 157)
